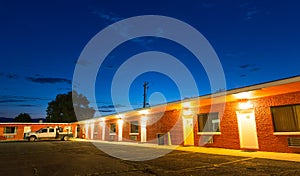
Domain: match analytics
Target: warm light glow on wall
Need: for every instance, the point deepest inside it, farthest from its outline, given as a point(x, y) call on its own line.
point(187, 112)
point(242, 95)
point(186, 105)
point(144, 112)
point(245, 105)
point(120, 122)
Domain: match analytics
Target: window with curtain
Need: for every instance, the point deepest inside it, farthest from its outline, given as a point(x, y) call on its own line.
point(286, 118)
point(134, 127)
point(113, 128)
point(209, 122)
point(10, 130)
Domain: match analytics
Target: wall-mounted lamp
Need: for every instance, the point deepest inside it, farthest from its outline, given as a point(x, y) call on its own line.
point(144, 112)
point(243, 95)
point(186, 105)
point(245, 105)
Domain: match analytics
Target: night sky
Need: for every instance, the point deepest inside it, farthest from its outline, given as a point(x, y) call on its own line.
point(41, 41)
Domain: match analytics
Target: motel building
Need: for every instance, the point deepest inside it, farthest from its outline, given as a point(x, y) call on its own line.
point(263, 117)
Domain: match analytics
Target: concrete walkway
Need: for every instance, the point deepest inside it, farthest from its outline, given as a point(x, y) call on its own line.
point(215, 151)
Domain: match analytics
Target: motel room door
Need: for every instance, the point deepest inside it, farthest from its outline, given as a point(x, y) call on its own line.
point(188, 130)
point(247, 129)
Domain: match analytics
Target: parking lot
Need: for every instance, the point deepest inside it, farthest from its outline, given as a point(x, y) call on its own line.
point(84, 158)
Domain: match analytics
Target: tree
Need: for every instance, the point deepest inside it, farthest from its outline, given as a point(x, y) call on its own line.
point(61, 109)
point(23, 117)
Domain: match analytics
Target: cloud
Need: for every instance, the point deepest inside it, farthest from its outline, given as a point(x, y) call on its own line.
point(48, 80)
point(105, 110)
point(11, 101)
point(10, 75)
point(250, 10)
point(111, 106)
point(107, 16)
point(245, 66)
point(19, 99)
point(26, 105)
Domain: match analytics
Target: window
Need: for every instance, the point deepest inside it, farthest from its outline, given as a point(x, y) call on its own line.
point(113, 128)
point(134, 127)
point(209, 122)
point(10, 130)
point(44, 130)
point(286, 118)
point(51, 130)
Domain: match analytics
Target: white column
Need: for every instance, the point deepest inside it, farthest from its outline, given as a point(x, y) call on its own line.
point(120, 131)
point(102, 124)
point(144, 129)
point(92, 130)
point(86, 131)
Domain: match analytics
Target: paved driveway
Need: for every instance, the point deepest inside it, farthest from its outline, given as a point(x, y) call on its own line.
point(83, 158)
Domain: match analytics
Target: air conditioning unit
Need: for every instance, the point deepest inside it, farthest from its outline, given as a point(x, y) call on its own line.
point(294, 141)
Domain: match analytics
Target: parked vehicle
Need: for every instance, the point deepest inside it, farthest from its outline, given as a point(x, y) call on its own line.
point(50, 133)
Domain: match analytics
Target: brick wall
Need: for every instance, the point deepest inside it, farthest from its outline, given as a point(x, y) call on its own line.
point(20, 129)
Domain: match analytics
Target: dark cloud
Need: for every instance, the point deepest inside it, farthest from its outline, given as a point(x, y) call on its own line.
point(11, 101)
point(105, 110)
point(20, 99)
point(245, 66)
point(254, 69)
point(111, 106)
point(26, 105)
point(12, 76)
point(48, 80)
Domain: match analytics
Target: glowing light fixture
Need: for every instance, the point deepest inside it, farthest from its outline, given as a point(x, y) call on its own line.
point(245, 105)
point(186, 105)
point(242, 95)
point(120, 116)
point(144, 112)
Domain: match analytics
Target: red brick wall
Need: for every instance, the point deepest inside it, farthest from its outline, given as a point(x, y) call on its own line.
point(34, 127)
point(266, 139)
point(229, 137)
point(170, 121)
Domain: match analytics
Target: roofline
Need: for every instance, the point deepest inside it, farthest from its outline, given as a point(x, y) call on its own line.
point(214, 95)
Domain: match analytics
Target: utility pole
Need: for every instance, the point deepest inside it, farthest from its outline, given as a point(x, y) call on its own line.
point(145, 85)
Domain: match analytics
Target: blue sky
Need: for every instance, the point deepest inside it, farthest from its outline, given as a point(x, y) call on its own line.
point(256, 41)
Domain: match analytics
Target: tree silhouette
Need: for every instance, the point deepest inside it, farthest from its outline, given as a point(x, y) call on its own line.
point(23, 117)
point(61, 109)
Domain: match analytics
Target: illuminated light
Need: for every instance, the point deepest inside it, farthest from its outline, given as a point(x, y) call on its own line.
point(187, 112)
point(186, 105)
point(120, 122)
point(144, 112)
point(245, 105)
point(120, 116)
point(242, 95)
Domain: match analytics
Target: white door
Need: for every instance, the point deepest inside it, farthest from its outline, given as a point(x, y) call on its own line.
point(188, 131)
point(247, 129)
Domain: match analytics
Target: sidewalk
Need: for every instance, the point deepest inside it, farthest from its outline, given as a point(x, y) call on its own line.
point(215, 151)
